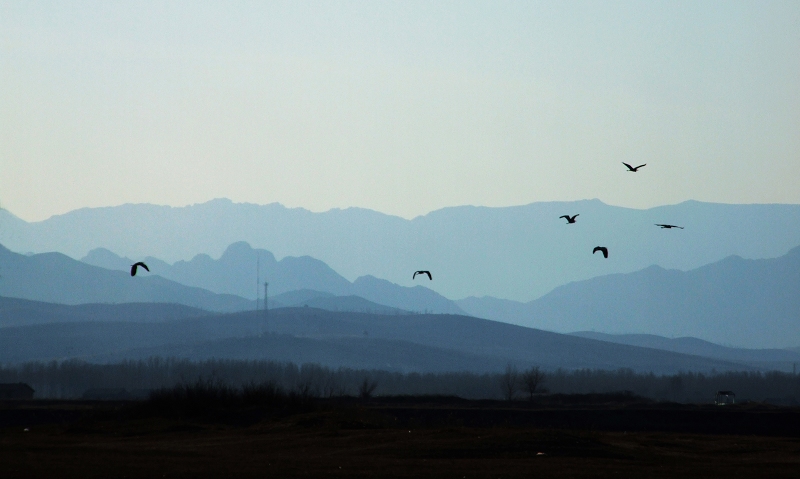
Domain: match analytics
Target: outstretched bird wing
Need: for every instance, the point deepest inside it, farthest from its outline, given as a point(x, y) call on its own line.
point(640, 166)
point(629, 166)
point(136, 265)
point(565, 216)
point(429, 275)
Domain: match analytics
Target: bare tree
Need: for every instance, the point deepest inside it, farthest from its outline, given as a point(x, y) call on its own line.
point(366, 388)
point(330, 386)
point(308, 384)
point(509, 382)
point(531, 379)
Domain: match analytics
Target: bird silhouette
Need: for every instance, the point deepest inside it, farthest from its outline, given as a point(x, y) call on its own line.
point(603, 249)
point(422, 272)
point(669, 226)
point(630, 168)
point(570, 219)
point(136, 265)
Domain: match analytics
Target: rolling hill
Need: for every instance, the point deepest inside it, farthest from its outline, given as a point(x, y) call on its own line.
point(23, 312)
point(777, 359)
point(421, 342)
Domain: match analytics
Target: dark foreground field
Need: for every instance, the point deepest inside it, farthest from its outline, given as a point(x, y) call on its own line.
point(399, 437)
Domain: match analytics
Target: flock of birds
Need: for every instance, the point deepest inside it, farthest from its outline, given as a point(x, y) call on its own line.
point(603, 249)
point(570, 220)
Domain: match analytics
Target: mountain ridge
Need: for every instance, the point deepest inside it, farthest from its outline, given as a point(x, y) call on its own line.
point(57, 278)
point(744, 302)
point(519, 252)
point(451, 339)
point(235, 272)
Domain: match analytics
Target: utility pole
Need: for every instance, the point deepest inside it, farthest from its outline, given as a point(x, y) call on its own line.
point(266, 307)
point(258, 279)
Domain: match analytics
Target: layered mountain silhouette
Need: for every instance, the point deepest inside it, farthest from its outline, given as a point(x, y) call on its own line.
point(747, 303)
point(777, 359)
point(57, 278)
point(421, 343)
point(235, 273)
point(54, 277)
point(750, 303)
point(519, 252)
point(24, 312)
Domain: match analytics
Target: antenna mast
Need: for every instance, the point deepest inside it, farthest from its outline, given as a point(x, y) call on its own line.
point(266, 306)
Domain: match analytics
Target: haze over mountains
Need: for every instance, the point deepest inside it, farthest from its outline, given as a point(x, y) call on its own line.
point(235, 272)
point(748, 303)
point(54, 277)
point(780, 359)
point(423, 343)
point(392, 339)
point(518, 253)
point(733, 301)
point(745, 303)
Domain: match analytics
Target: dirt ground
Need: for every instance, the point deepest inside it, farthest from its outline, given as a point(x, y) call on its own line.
point(102, 440)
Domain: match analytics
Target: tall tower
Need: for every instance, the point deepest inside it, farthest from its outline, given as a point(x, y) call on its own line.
point(266, 304)
point(266, 307)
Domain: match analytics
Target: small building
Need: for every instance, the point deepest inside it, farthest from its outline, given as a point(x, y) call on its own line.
point(16, 391)
point(724, 397)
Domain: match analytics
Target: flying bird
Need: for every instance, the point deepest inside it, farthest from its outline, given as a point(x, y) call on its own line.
point(603, 249)
point(422, 272)
point(569, 219)
point(136, 265)
point(669, 226)
point(630, 168)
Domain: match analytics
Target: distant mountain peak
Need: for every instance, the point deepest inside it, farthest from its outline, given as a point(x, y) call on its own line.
point(517, 252)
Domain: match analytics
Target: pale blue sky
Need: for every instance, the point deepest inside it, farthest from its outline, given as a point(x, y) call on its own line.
point(401, 107)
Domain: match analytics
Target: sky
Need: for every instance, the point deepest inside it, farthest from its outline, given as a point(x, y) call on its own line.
point(400, 107)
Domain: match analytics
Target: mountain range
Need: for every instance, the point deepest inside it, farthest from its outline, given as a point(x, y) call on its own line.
point(238, 269)
point(778, 359)
point(747, 303)
point(518, 252)
point(54, 277)
point(417, 342)
point(57, 278)
point(736, 301)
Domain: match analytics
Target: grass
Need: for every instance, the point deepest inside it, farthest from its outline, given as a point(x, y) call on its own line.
point(213, 430)
point(208, 399)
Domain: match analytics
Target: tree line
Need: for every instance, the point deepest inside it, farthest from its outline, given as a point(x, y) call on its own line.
point(72, 378)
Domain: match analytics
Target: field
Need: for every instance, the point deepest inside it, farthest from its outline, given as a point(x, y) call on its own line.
point(569, 436)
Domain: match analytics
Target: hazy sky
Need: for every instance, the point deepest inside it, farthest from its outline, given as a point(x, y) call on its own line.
point(402, 107)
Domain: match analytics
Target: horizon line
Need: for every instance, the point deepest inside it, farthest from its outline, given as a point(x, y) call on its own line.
point(335, 209)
